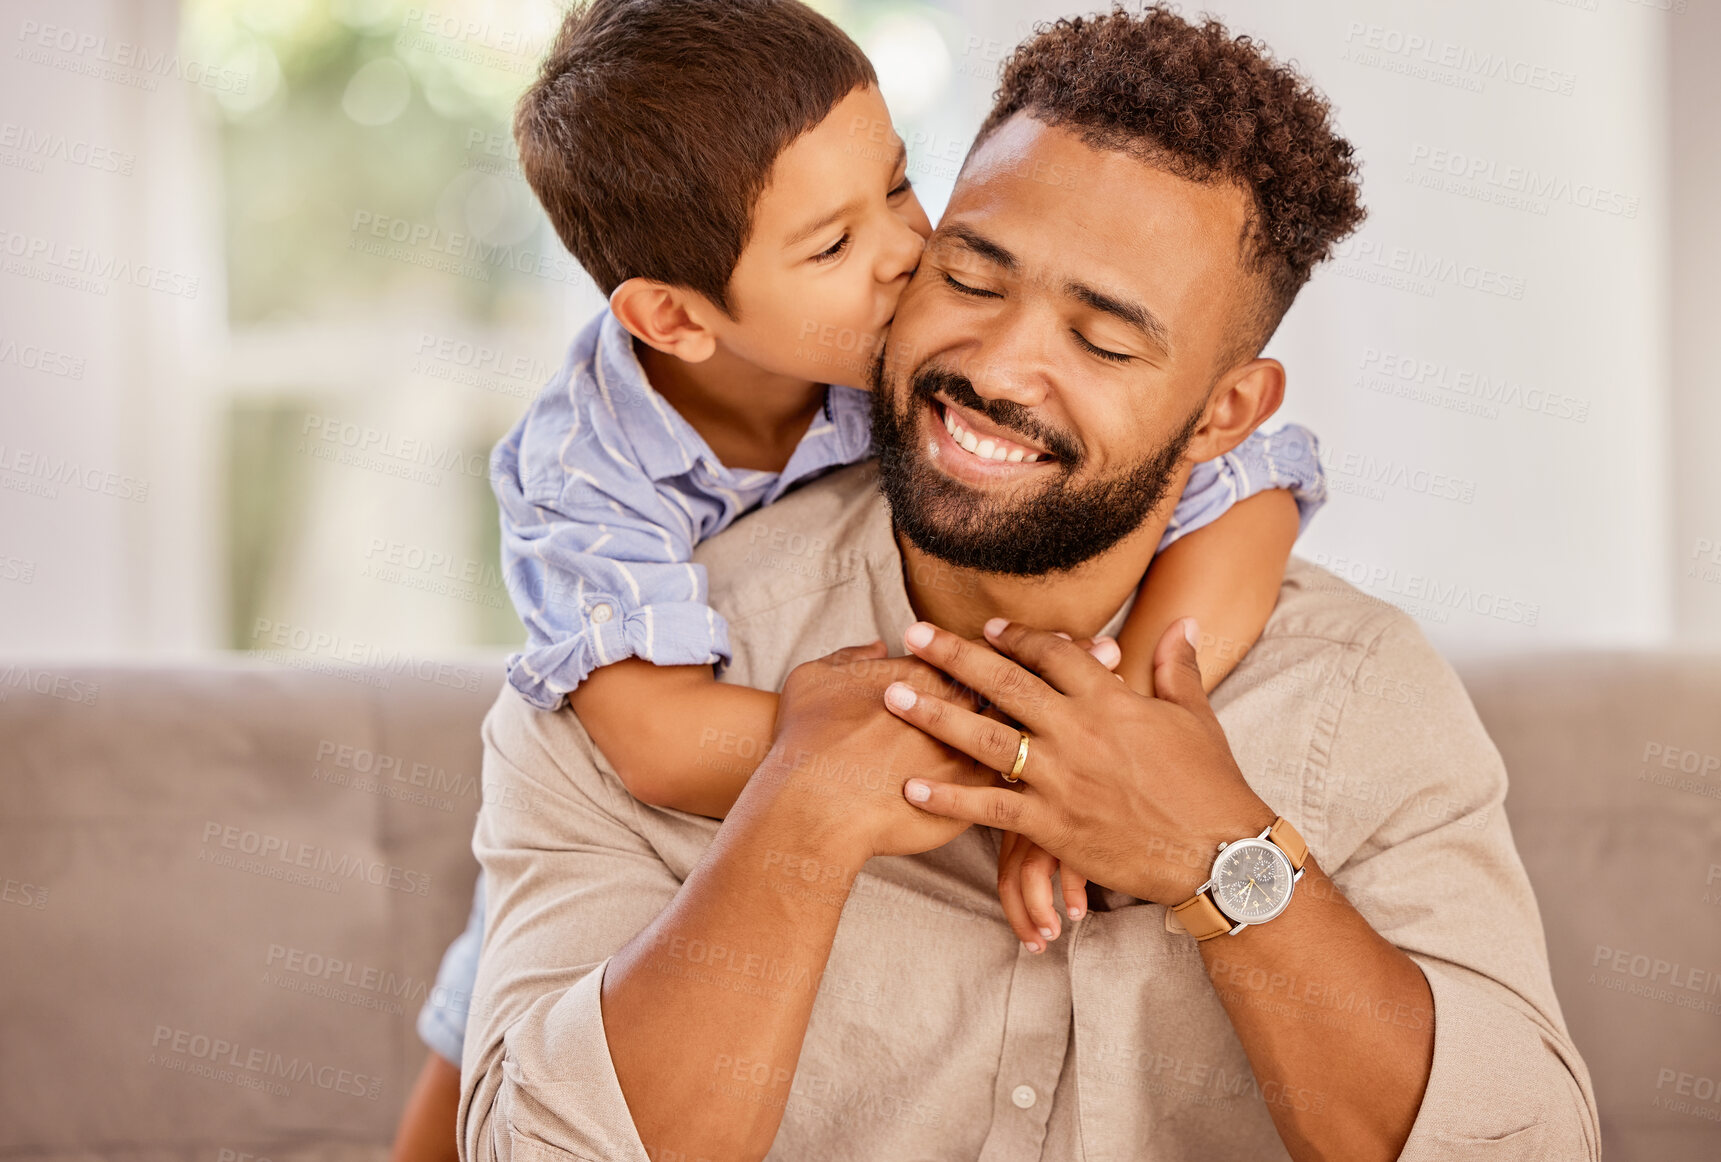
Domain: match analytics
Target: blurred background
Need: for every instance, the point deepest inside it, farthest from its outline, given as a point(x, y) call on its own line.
point(272, 287)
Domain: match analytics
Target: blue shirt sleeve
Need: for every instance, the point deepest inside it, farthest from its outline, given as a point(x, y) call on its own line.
point(1288, 458)
point(597, 559)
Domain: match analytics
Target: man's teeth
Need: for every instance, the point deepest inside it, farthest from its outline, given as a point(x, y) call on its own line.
point(986, 449)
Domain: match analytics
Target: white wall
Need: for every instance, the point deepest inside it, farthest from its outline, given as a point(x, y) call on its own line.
point(109, 509)
point(1593, 526)
point(1558, 519)
point(1695, 96)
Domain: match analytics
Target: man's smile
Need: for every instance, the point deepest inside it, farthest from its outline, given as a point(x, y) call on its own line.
point(973, 448)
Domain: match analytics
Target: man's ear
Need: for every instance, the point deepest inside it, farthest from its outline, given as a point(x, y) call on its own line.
point(1241, 402)
point(672, 319)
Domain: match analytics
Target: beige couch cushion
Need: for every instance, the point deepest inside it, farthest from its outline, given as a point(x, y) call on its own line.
point(1615, 801)
point(168, 838)
point(201, 962)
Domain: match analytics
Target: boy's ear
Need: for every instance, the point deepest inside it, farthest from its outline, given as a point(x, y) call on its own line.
point(1241, 402)
point(669, 318)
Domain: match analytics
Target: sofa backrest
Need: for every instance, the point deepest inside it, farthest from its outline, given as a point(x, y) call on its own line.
point(224, 892)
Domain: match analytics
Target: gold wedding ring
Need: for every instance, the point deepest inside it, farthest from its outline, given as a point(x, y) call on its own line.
point(1021, 760)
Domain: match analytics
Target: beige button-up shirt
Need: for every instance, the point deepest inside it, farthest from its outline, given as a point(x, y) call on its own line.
point(935, 1035)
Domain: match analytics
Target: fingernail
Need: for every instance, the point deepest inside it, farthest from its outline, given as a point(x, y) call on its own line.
point(1107, 652)
point(917, 791)
point(900, 696)
point(1192, 632)
point(919, 635)
point(1062, 634)
point(1046, 932)
point(996, 626)
point(1077, 913)
point(1030, 947)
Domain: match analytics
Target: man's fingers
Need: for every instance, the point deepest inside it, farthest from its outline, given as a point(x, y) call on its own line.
point(987, 806)
point(1020, 694)
point(1069, 668)
point(1176, 669)
point(985, 740)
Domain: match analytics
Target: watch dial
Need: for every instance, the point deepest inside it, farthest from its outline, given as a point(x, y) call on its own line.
point(1254, 882)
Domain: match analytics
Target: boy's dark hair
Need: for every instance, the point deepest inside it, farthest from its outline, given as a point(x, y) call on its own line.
point(653, 125)
point(1208, 107)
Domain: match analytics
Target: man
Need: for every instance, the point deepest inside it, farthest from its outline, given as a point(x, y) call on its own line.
point(825, 975)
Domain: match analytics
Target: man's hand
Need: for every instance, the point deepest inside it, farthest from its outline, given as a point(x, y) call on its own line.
point(840, 758)
point(1132, 792)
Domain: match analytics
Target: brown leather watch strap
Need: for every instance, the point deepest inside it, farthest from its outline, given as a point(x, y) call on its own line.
point(1290, 842)
point(1201, 917)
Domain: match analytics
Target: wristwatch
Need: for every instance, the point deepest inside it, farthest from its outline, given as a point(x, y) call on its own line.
point(1251, 883)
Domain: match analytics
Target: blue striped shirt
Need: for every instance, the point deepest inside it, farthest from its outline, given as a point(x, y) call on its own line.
point(605, 489)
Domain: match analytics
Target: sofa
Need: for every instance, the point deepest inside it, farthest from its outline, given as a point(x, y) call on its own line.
point(225, 888)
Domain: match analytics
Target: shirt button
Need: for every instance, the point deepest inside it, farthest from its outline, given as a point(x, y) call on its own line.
point(602, 613)
point(1024, 1096)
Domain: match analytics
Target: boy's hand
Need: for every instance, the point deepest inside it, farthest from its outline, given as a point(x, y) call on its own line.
point(1025, 868)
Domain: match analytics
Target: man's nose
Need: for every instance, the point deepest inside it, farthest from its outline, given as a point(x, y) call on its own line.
point(1011, 361)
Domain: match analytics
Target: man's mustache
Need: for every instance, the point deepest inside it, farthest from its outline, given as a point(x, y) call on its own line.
point(931, 382)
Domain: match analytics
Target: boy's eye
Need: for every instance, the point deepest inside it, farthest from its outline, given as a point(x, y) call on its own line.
point(902, 187)
point(837, 247)
point(963, 288)
point(1112, 356)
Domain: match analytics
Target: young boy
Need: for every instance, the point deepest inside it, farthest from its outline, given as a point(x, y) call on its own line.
point(726, 171)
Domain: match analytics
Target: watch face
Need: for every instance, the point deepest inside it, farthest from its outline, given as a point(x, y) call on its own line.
point(1252, 881)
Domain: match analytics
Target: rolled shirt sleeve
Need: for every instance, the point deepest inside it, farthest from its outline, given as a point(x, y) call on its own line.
point(1438, 876)
point(569, 882)
point(599, 568)
point(1287, 458)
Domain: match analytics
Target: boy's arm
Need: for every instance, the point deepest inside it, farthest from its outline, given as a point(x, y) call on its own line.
point(676, 736)
point(1226, 575)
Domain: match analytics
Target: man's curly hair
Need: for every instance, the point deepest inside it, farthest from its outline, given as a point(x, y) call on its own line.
point(1206, 106)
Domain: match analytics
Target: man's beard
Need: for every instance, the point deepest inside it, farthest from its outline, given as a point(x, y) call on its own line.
point(1064, 524)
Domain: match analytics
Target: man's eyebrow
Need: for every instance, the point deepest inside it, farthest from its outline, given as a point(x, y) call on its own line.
point(980, 245)
point(847, 208)
point(1134, 314)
